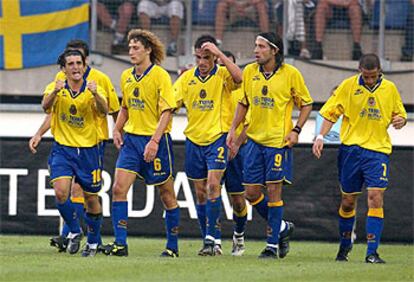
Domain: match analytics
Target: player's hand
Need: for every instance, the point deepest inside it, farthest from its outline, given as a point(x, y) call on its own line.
point(118, 141)
point(34, 142)
point(317, 148)
point(398, 122)
point(208, 46)
point(231, 138)
point(91, 85)
point(150, 151)
point(233, 151)
point(59, 84)
point(292, 139)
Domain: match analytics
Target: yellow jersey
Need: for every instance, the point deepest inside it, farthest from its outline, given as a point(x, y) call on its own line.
point(367, 113)
point(146, 97)
point(271, 99)
point(236, 97)
point(101, 79)
point(208, 102)
point(75, 116)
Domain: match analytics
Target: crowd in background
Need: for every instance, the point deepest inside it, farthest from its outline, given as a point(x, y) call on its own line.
point(305, 26)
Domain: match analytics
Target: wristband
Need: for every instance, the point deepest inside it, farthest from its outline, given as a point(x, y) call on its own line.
point(297, 129)
point(319, 137)
point(155, 141)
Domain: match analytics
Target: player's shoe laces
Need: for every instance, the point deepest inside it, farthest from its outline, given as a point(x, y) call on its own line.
point(238, 246)
point(74, 243)
point(208, 249)
point(90, 250)
point(284, 239)
point(268, 253)
point(114, 249)
point(343, 253)
point(59, 242)
point(374, 258)
point(167, 253)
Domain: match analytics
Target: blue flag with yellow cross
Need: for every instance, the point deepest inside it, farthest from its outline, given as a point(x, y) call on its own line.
point(34, 32)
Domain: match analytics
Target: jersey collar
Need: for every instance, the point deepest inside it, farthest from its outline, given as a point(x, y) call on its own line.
point(139, 77)
point(87, 71)
point(370, 89)
point(266, 75)
point(74, 94)
point(204, 79)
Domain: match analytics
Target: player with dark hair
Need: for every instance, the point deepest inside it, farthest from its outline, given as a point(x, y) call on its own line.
point(101, 79)
point(205, 92)
point(146, 147)
point(271, 88)
point(74, 105)
point(369, 104)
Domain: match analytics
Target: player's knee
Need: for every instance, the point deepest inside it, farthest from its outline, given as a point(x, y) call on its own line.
point(119, 192)
point(61, 195)
point(238, 206)
point(252, 195)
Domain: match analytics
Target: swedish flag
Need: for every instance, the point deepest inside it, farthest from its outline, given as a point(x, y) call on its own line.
point(34, 32)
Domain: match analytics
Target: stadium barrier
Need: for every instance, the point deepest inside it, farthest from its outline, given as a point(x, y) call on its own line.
point(28, 204)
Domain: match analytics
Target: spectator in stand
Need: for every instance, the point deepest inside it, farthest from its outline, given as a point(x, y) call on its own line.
point(253, 9)
point(324, 11)
point(298, 12)
point(155, 9)
point(118, 25)
point(408, 49)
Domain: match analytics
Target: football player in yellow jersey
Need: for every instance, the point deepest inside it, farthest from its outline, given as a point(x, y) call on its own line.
point(91, 74)
point(74, 105)
point(369, 104)
point(271, 88)
point(205, 92)
point(146, 146)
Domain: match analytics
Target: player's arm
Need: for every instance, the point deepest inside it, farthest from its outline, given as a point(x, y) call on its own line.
point(318, 143)
point(151, 148)
point(237, 143)
point(234, 70)
point(101, 103)
point(293, 137)
point(49, 99)
point(114, 116)
point(239, 116)
point(35, 140)
point(118, 128)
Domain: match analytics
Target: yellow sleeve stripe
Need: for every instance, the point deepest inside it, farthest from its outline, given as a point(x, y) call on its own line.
point(258, 200)
point(77, 200)
point(376, 212)
point(345, 214)
point(275, 204)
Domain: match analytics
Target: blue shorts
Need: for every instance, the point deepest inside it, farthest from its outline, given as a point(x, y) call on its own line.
point(82, 163)
point(266, 164)
point(131, 159)
point(358, 166)
point(233, 177)
point(199, 160)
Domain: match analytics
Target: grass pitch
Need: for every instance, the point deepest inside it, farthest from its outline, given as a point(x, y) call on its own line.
point(29, 258)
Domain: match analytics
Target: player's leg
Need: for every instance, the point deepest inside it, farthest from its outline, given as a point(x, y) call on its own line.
point(123, 181)
point(274, 220)
point(213, 209)
point(351, 181)
point(374, 224)
point(93, 219)
point(347, 213)
point(172, 217)
point(240, 219)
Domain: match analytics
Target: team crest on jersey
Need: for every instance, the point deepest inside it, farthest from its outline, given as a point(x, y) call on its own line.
point(358, 92)
point(136, 92)
point(63, 117)
point(265, 90)
point(371, 101)
point(73, 110)
point(203, 94)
